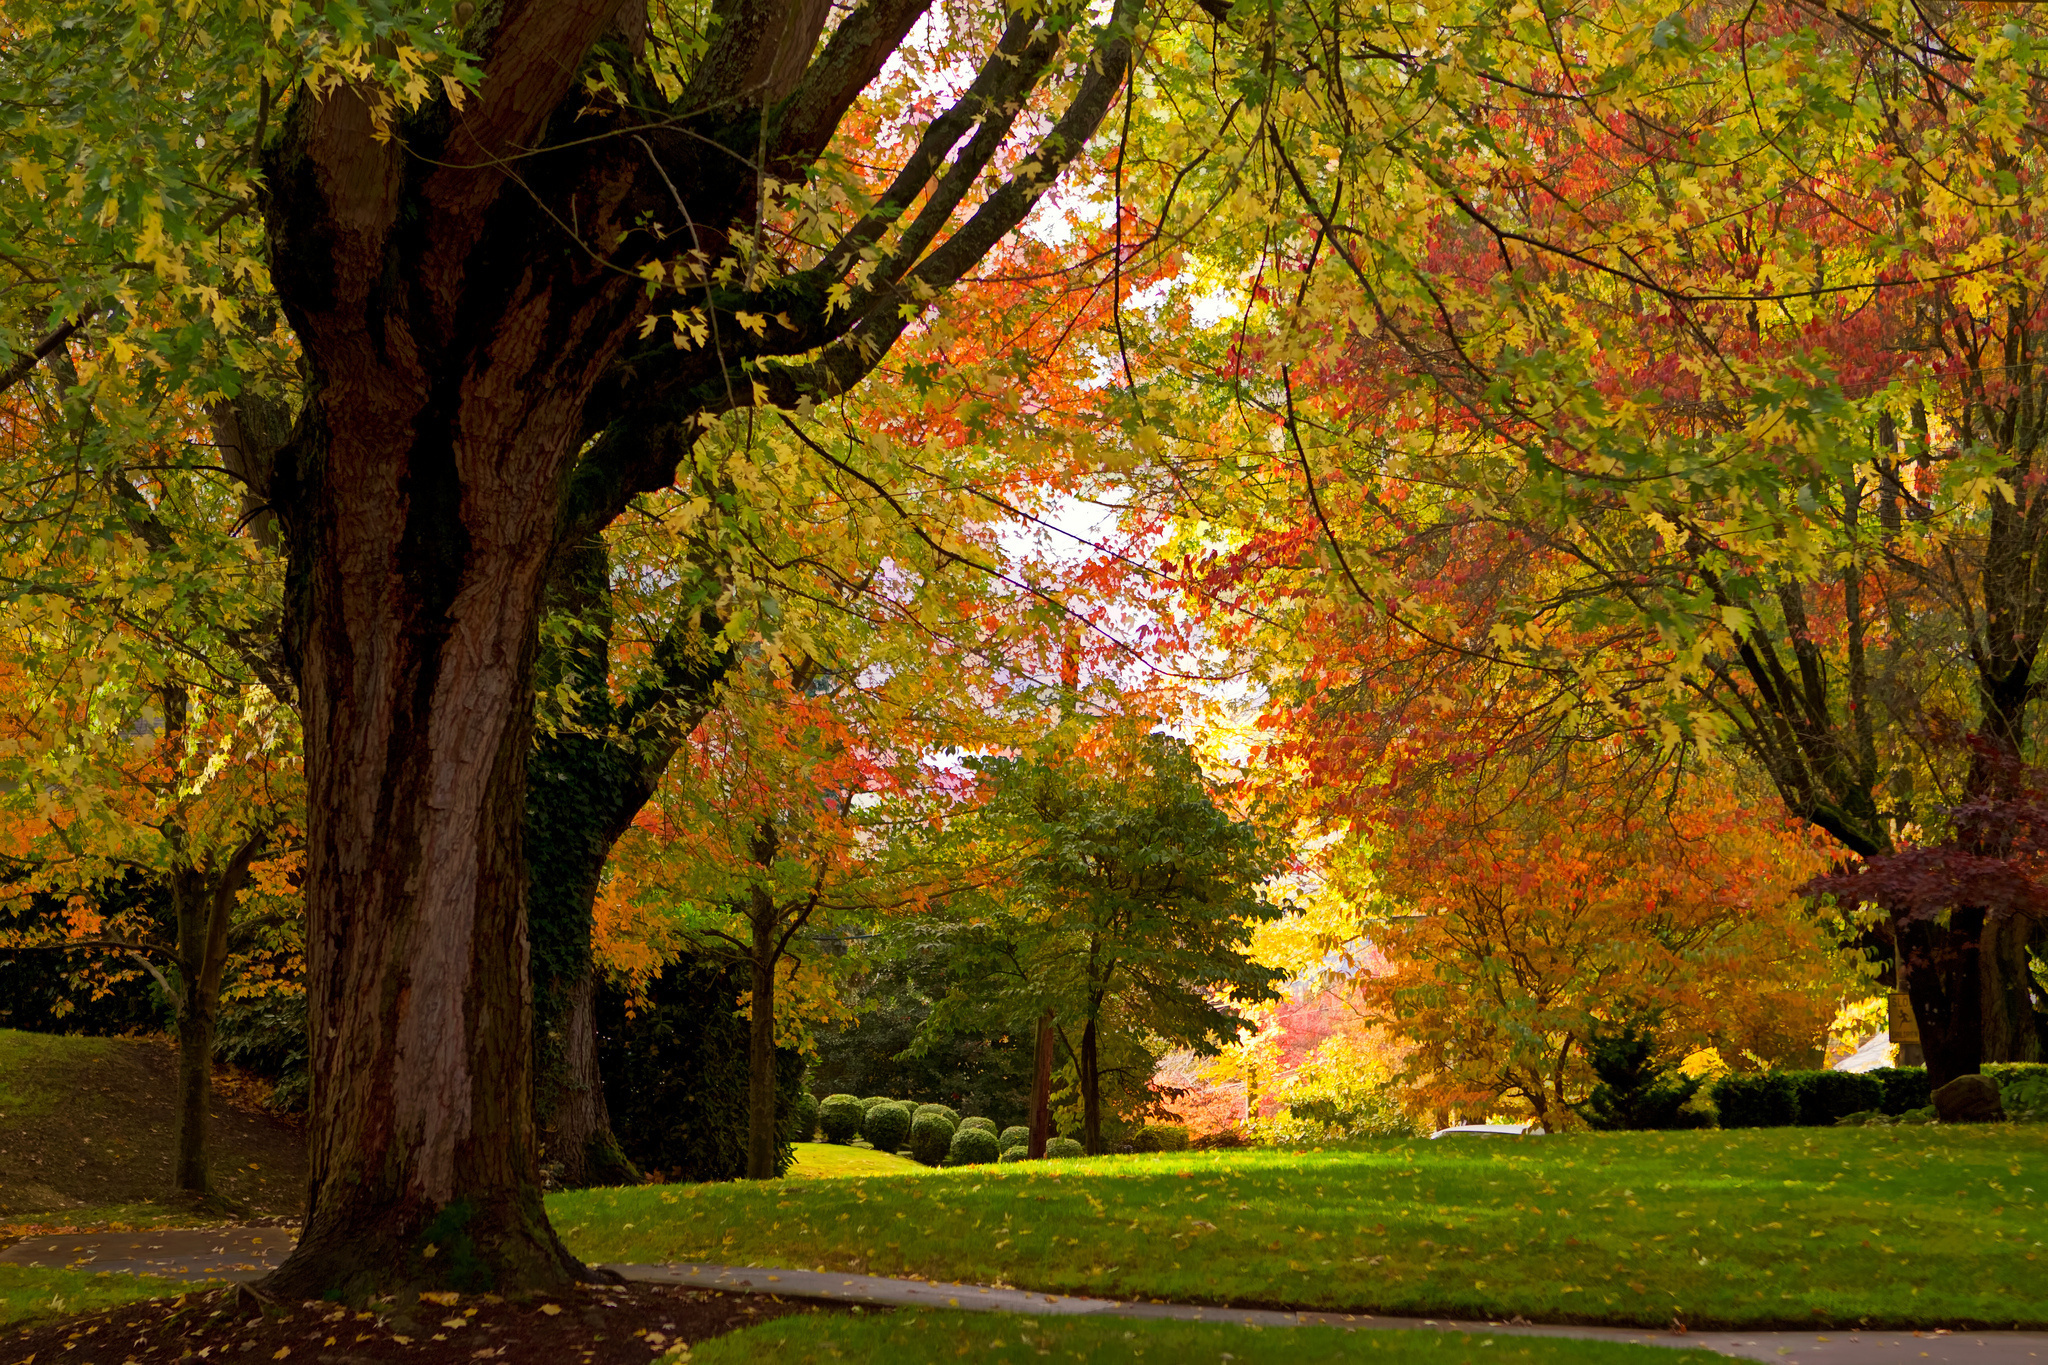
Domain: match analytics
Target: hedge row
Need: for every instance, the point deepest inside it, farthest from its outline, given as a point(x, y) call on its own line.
point(1812, 1099)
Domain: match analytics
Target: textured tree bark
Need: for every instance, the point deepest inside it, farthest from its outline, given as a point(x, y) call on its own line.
point(2011, 1032)
point(1091, 1092)
point(579, 1124)
point(1041, 1087)
point(476, 399)
point(203, 904)
point(1940, 964)
point(761, 1131)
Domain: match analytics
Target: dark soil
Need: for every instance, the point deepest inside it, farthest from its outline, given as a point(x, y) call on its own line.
point(587, 1325)
point(111, 1134)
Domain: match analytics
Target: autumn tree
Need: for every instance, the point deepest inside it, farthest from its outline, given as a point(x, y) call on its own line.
point(1130, 897)
point(1515, 914)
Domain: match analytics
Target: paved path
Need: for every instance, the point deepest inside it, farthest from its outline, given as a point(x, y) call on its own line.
point(175, 1253)
point(1825, 1348)
point(249, 1253)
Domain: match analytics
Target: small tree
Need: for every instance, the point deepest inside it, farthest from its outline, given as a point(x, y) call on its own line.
point(1637, 1089)
point(1131, 904)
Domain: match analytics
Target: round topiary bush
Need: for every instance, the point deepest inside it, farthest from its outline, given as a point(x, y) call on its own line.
point(1020, 1152)
point(931, 1136)
point(873, 1100)
point(951, 1115)
point(886, 1126)
point(1064, 1147)
point(1016, 1135)
point(972, 1147)
point(986, 1125)
point(839, 1117)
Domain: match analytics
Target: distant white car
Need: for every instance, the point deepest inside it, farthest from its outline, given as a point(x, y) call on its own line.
point(1530, 1129)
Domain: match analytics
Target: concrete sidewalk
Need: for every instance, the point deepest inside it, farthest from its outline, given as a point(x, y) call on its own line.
point(1834, 1348)
point(249, 1254)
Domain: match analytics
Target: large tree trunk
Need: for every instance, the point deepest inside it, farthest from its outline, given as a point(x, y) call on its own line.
point(463, 281)
point(1041, 1087)
point(762, 1137)
point(1091, 1093)
point(2011, 1032)
point(579, 1123)
point(1940, 967)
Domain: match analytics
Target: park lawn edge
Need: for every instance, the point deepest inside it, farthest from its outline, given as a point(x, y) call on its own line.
point(1957, 1267)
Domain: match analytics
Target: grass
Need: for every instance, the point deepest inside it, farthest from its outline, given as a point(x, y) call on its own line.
point(994, 1338)
point(825, 1160)
point(33, 1292)
point(33, 1067)
point(1885, 1227)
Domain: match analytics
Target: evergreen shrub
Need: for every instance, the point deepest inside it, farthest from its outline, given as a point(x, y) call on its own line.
point(1766, 1100)
point(1016, 1135)
point(972, 1147)
point(1020, 1152)
point(985, 1125)
point(871, 1101)
point(1826, 1096)
point(1637, 1092)
point(1905, 1088)
point(1059, 1148)
point(931, 1137)
point(840, 1118)
point(1173, 1137)
point(803, 1119)
point(952, 1116)
point(886, 1126)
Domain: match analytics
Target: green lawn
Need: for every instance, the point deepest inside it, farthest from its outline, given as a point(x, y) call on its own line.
point(39, 1292)
point(994, 1338)
point(1910, 1226)
point(816, 1160)
point(35, 1066)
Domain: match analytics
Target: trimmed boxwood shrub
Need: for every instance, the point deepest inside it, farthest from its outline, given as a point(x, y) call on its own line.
point(1768, 1100)
point(986, 1125)
point(1020, 1152)
point(1016, 1135)
point(1172, 1137)
point(871, 1101)
point(1057, 1148)
point(972, 1147)
point(840, 1117)
point(886, 1126)
point(1825, 1096)
point(952, 1116)
point(1905, 1088)
point(931, 1137)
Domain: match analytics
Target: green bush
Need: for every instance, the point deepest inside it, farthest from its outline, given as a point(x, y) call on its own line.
point(803, 1119)
point(871, 1101)
point(1637, 1091)
point(985, 1125)
point(1020, 1152)
point(1825, 1096)
point(972, 1147)
point(2022, 1089)
point(840, 1118)
point(1058, 1148)
point(931, 1137)
point(1766, 1100)
point(952, 1116)
point(1171, 1137)
point(1016, 1135)
point(886, 1126)
point(1905, 1088)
